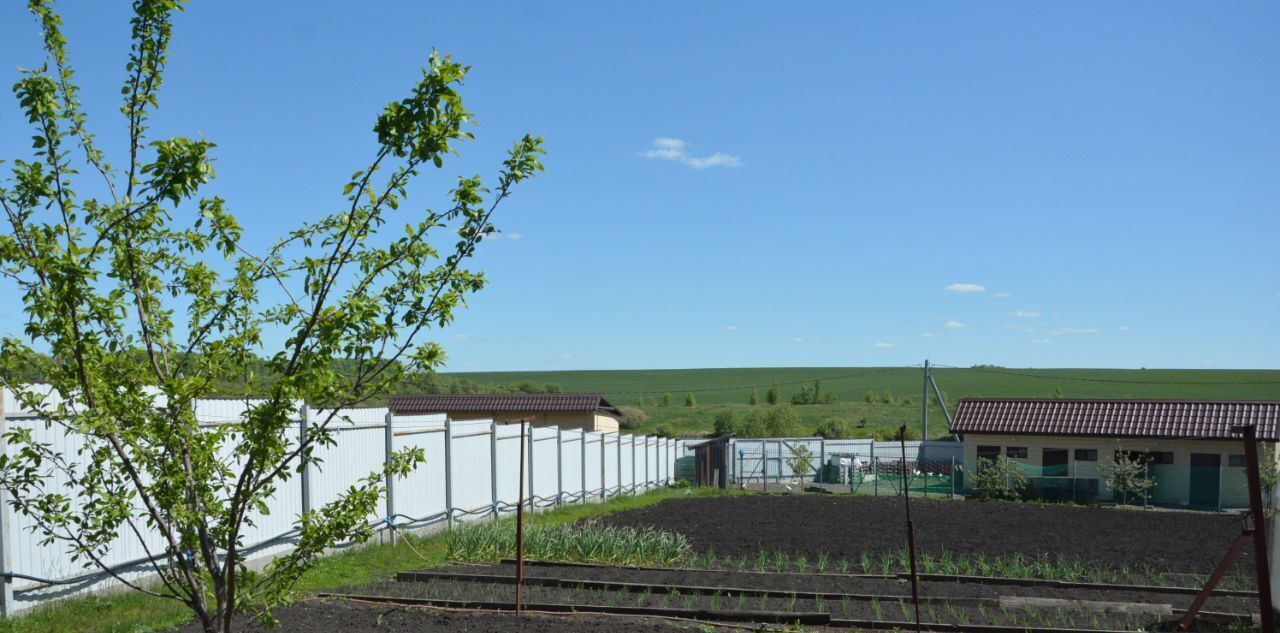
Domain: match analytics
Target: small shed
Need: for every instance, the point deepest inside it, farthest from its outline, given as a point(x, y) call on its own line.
point(711, 462)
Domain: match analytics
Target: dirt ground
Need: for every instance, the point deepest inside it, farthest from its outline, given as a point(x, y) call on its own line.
point(845, 526)
point(325, 616)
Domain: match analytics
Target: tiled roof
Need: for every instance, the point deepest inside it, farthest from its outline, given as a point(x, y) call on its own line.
point(502, 403)
point(1201, 419)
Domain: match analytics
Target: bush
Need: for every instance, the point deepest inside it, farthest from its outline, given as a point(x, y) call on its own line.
point(666, 399)
point(800, 461)
point(689, 400)
point(834, 429)
point(772, 422)
point(754, 399)
point(896, 434)
point(632, 417)
point(774, 394)
point(887, 397)
point(870, 397)
point(998, 478)
point(813, 395)
point(663, 431)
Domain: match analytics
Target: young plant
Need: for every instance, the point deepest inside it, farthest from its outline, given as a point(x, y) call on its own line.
point(140, 299)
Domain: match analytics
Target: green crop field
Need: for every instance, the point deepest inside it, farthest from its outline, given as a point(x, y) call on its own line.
point(718, 390)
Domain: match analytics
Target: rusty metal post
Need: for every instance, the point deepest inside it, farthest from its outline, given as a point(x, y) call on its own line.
point(1218, 573)
point(911, 537)
point(520, 525)
point(1260, 559)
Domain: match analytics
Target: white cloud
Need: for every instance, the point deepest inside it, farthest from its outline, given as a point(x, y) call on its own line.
point(462, 337)
point(1074, 330)
point(1002, 295)
point(882, 345)
point(797, 339)
point(1018, 326)
point(1124, 328)
point(512, 235)
point(955, 325)
point(1023, 314)
point(677, 150)
point(928, 335)
point(967, 288)
point(731, 328)
point(1040, 341)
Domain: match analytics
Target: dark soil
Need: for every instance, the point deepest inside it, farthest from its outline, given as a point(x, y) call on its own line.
point(322, 616)
point(846, 526)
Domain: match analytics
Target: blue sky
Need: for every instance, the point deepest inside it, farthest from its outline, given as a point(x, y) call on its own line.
point(775, 184)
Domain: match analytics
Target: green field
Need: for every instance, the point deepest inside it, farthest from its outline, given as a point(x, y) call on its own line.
point(720, 389)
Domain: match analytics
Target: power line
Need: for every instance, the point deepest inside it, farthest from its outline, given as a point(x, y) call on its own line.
point(868, 372)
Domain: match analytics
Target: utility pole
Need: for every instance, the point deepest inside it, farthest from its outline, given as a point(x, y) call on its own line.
point(924, 404)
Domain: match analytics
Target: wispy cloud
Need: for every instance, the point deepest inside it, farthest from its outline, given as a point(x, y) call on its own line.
point(797, 339)
point(882, 345)
point(462, 337)
point(967, 288)
point(1002, 295)
point(1124, 328)
point(731, 328)
point(928, 335)
point(1023, 314)
point(1074, 330)
point(1040, 341)
point(955, 325)
point(510, 235)
point(677, 150)
point(1018, 326)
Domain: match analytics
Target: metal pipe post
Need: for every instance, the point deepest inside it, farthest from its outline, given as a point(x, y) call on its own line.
point(6, 561)
point(633, 464)
point(493, 465)
point(764, 463)
point(448, 472)
point(583, 467)
point(388, 442)
point(822, 457)
point(559, 464)
point(520, 524)
point(603, 492)
point(1260, 559)
point(532, 447)
point(304, 426)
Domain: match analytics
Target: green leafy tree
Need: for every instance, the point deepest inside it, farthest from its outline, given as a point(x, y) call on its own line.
point(870, 397)
point(754, 399)
point(666, 399)
point(998, 478)
point(125, 290)
point(775, 395)
point(690, 401)
point(1127, 476)
point(800, 460)
point(834, 429)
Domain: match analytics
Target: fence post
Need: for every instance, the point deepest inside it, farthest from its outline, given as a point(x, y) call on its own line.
point(875, 471)
point(6, 584)
point(388, 441)
point(532, 446)
point(764, 463)
point(448, 472)
point(583, 466)
point(603, 492)
point(304, 424)
point(493, 467)
point(647, 480)
point(633, 464)
point(559, 464)
point(822, 458)
point(953, 476)
point(619, 463)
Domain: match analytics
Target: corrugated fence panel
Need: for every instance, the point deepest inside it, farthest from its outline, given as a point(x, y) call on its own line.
point(563, 466)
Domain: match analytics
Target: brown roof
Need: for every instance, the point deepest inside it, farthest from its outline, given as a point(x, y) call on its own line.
point(1202, 419)
point(503, 403)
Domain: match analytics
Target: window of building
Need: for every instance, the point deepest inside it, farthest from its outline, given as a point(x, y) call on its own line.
point(1235, 461)
point(1054, 461)
point(1016, 452)
point(1086, 455)
point(1160, 457)
point(988, 452)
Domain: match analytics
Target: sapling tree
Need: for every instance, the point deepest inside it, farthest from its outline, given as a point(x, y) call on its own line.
point(144, 297)
point(998, 478)
point(800, 461)
point(1127, 476)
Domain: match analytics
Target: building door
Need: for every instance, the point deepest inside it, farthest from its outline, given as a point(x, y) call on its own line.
point(1206, 468)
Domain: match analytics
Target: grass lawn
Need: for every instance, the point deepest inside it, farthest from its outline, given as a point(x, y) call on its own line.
point(138, 613)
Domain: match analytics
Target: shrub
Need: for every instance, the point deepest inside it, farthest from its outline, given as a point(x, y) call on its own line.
point(754, 399)
point(663, 431)
point(774, 394)
point(771, 422)
point(666, 399)
point(1127, 476)
point(896, 434)
point(813, 395)
point(632, 417)
point(998, 478)
point(887, 397)
point(834, 429)
point(870, 397)
point(689, 400)
point(800, 461)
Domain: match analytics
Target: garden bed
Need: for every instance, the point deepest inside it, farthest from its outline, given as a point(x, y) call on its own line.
point(853, 528)
point(348, 616)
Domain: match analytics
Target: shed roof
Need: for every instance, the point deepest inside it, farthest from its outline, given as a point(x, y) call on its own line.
point(1192, 419)
point(503, 403)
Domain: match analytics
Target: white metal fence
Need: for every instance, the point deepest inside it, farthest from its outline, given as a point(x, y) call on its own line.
point(471, 473)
